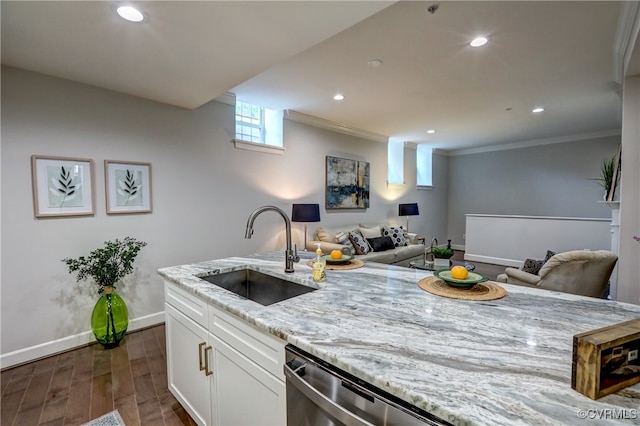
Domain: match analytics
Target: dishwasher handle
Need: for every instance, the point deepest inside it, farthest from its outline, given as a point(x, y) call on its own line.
point(341, 414)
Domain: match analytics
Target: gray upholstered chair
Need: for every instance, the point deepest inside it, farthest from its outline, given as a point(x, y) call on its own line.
point(580, 272)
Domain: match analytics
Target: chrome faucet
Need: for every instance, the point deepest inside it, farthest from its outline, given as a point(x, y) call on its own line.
point(290, 256)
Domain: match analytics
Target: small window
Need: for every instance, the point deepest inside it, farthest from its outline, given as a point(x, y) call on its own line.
point(424, 166)
point(256, 125)
point(249, 122)
point(395, 162)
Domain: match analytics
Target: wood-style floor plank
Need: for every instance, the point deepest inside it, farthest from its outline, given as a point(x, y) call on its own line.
point(79, 385)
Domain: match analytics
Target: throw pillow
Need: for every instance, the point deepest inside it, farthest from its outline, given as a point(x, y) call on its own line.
point(381, 243)
point(396, 233)
point(359, 242)
point(343, 238)
point(532, 266)
point(323, 234)
point(371, 232)
point(549, 255)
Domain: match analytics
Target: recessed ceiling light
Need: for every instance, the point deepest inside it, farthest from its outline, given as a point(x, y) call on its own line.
point(537, 110)
point(338, 97)
point(478, 41)
point(374, 63)
point(130, 13)
point(431, 131)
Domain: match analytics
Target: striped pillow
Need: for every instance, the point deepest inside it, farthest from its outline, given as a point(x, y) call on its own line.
point(343, 238)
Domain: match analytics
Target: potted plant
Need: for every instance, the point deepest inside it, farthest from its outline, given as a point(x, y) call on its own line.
point(606, 175)
point(106, 266)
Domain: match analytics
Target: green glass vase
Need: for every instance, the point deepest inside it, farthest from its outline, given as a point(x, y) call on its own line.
point(109, 319)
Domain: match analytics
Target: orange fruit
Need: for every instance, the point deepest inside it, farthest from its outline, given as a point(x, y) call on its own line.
point(336, 254)
point(459, 272)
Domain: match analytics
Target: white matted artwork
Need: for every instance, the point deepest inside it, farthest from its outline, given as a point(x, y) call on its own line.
point(128, 187)
point(62, 186)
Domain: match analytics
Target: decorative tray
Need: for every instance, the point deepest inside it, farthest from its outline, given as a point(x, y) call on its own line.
point(344, 259)
point(472, 279)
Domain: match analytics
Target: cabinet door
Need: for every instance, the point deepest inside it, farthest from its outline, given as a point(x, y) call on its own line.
point(245, 393)
point(185, 356)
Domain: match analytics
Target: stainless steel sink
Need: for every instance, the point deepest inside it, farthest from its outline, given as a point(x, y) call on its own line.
point(261, 288)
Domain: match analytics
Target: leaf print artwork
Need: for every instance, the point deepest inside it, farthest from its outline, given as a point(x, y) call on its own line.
point(65, 186)
point(129, 188)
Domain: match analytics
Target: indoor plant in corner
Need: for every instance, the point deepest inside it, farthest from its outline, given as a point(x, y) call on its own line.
point(107, 266)
point(606, 175)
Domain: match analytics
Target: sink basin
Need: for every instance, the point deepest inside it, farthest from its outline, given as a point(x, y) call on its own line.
point(261, 288)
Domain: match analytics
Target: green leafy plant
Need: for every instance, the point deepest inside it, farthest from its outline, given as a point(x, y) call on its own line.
point(107, 265)
point(606, 173)
point(442, 253)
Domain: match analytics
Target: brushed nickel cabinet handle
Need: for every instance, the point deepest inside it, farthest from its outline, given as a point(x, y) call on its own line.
point(201, 365)
point(207, 372)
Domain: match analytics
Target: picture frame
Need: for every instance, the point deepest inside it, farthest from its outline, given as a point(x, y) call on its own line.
point(347, 183)
point(128, 187)
point(62, 186)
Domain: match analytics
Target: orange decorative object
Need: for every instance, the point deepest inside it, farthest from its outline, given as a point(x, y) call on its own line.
point(336, 254)
point(459, 272)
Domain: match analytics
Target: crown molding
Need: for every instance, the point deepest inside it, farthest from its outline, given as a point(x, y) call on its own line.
point(626, 36)
point(533, 142)
point(226, 98)
point(311, 120)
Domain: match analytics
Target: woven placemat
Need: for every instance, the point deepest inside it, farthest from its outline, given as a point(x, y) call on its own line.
point(353, 264)
point(481, 291)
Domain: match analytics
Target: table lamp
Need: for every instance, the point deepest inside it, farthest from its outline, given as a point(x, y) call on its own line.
point(305, 213)
point(407, 210)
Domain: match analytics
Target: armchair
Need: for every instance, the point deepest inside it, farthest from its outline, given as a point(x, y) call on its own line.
point(579, 272)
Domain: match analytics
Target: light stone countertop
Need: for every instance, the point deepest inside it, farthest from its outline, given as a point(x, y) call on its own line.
point(502, 362)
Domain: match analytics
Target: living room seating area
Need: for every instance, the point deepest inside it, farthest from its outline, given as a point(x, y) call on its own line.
point(380, 242)
point(582, 272)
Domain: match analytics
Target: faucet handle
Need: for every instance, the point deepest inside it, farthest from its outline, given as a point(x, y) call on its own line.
point(295, 256)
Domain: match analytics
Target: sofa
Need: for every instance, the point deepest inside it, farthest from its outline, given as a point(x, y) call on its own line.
point(404, 246)
point(582, 272)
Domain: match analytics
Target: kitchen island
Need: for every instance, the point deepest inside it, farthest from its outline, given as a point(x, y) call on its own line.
point(502, 362)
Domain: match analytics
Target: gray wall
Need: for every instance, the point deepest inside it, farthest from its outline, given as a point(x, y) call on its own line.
point(543, 180)
point(203, 192)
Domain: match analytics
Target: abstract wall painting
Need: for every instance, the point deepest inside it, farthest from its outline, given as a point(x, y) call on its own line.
point(128, 187)
point(62, 186)
point(347, 184)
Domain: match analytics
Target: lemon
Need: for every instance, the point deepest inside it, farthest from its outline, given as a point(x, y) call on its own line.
point(336, 254)
point(459, 272)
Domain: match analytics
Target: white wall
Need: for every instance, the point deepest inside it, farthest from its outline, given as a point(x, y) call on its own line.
point(629, 263)
point(544, 180)
point(203, 192)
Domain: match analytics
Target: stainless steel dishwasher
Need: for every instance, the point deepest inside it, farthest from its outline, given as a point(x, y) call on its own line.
point(319, 394)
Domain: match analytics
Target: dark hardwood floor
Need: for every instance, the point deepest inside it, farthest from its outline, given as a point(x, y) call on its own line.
point(80, 385)
point(490, 270)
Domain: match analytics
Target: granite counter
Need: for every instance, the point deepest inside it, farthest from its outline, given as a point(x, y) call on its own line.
point(502, 362)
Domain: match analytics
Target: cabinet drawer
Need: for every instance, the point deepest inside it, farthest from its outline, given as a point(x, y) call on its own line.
point(190, 305)
point(260, 347)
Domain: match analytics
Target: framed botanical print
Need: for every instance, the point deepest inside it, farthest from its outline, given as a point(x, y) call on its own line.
point(128, 187)
point(62, 186)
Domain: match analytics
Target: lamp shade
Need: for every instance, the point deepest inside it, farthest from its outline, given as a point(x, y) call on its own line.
point(305, 213)
point(410, 209)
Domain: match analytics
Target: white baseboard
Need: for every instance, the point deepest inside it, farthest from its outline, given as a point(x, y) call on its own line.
point(53, 347)
point(495, 260)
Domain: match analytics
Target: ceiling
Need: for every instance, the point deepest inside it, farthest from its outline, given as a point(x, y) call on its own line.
point(297, 54)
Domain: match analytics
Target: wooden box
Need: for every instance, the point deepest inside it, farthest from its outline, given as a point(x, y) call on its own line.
point(607, 359)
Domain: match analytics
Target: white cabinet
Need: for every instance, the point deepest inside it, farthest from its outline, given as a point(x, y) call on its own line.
point(246, 394)
point(186, 343)
point(223, 370)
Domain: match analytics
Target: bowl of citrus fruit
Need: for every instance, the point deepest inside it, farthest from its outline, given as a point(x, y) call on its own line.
point(459, 277)
point(337, 257)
